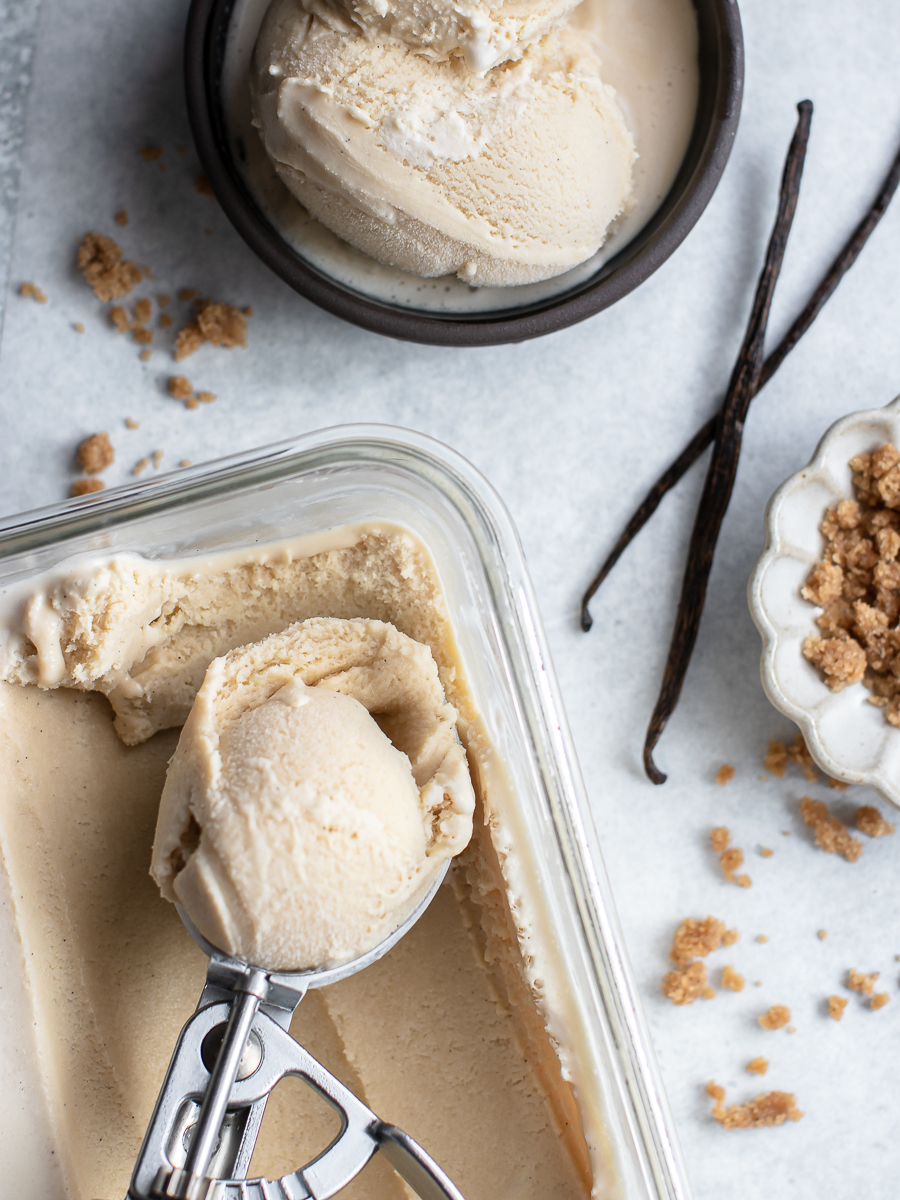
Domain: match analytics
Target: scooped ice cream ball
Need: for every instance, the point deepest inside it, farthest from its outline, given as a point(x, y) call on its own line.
point(292, 829)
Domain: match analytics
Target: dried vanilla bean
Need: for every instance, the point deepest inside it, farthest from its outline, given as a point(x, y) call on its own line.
point(727, 448)
point(704, 437)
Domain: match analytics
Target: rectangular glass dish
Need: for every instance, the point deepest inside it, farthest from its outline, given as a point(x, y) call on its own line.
point(352, 476)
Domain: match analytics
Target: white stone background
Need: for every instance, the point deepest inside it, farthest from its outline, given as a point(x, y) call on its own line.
point(571, 429)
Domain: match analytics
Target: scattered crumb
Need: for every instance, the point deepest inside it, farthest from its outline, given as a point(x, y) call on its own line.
point(831, 833)
point(858, 981)
point(776, 759)
point(744, 881)
point(222, 324)
point(185, 462)
point(836, 1006)
point(163, 300)
point(730, 860)
point(798, 753)
point(765, 852)
point(757, 983)
point(879, 1000)
point(78, 327)
point(776, 1017)
point(140, 465)
point(837, 784)
point(84, 487)
point(95, 453)
point(773, 1108)
point(142, 335)
point(165, 321)
point(193, 402)
point(144, 355)
point(791, 1029)
point(143, 310)
point(151, 153)
point(187, 293)
point(180, 387)
point(100, 259)
point(202, 185)
point(157, 459)
point(696, 939)
point(687, 985)
point(248, 311)
point(725, 774)
point(32, 292)
point(823, 934)
point(758, 1066)
point(147, 273)
point(130, 423)
point(732, 980)
point(719, 838)
point(121, 217)
point(785, 833)
point(188, 341)
point(761, 937)
point(119, 317)
point(870, 822)
point(206, 397)
point(729, 937)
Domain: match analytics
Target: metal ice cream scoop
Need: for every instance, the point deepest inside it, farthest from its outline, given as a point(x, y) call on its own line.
point(228, 1058)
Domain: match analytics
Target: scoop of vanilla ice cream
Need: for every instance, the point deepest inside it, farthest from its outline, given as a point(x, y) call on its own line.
point(295, 828)
point(509, 177)
point(482, 33)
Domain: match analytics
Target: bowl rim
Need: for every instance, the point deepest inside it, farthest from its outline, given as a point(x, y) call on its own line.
point(715, 126)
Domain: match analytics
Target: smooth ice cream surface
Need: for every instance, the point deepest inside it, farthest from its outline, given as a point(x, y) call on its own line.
point(293, 830)
point(510, 176)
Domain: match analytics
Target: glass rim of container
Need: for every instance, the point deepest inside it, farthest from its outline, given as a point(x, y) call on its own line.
point(721, 63)
point(637, 1081)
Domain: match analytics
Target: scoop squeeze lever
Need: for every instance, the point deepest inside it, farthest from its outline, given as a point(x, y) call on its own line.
point(228, 1058)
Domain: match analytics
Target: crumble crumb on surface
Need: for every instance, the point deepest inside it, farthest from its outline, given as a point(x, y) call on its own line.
point(202, 185)
point(837, 784)
point(121, 217)
point(143, 310)
point(163, 300)
point(729, 937)
point(143, 336)
point(78, 327)
point(248, 311)
point(823, 934)
point(130, 423)
point(772, 1108)
point(144, 355)
point(222, 324)
point(836, 1006)
point(744, 881)
point(765, 852)
point(165, 321)
point(687, 985)
point(757, 983)
point(831, 833)
point(206, 397)
point(695, 939)
point(193, 402)
point(187, 293)
point(85, 487)
point(775, 759)
point(870, 822)
point(730, 860)
point(185, 462)
point(180, 387)
point(776, 1017)
point(758, 1065)
point(188, 341)
point(879, 1000)
point(859, 981)
point(761, 937)
point(799, 754)
point(104, 269)
point(732, 980)
point(151, 153)
point(725, 774)
point(140, 465)
point(719, 838)
point(119, 317)
point(32, 292)
point(157, 459)
point(96, 453)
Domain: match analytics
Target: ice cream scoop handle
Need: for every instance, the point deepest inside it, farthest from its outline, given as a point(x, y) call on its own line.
point(414, 1166)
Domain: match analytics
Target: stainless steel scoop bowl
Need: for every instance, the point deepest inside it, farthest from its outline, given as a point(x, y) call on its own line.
point(229, 1057)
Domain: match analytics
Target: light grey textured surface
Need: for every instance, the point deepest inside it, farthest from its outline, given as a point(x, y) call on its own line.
point(572, 430)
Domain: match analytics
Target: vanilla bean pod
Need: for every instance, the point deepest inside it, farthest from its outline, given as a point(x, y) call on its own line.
point(701, 440)
point(727, 448)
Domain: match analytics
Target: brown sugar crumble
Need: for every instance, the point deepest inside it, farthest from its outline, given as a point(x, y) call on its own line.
point(163, 300)
point(206, 397)
point(831, 834)
point(78, 327)
point(758, 1066)
point(858, 981)
point(140, 465)
point(776, 1017)
point(732, 980)
point(879, 1000)
point(157, 459)
point(822, 934)
point(870, 822)
point(761, 937)
point(725, 774)
point(144, 355)
point(696, 939)
point(729, 937)
point(32, 292)
point(104, 269)
point(218, 323)
point(142, 335)
point(151, 153)
point(857, 585)
point(797, 753)
point(96, 453)
point(185, 294)
point(765, 852)
point(180, 387)
point(130, 423)
point(202, 186)
point(121, 217)
point(775, 759)
point(143, 310)
point(86, 487)
point(165, 321)
point(119, 318)
point(719, 838)
point(185, 462)
point(836, 1006)
point(687, 985)
point(744, 881)
point(773, 1108)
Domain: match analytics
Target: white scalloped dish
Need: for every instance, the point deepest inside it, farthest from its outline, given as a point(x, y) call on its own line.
point(848, 737)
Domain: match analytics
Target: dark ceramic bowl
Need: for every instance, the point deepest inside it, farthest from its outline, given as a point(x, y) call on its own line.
point(721, 60)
